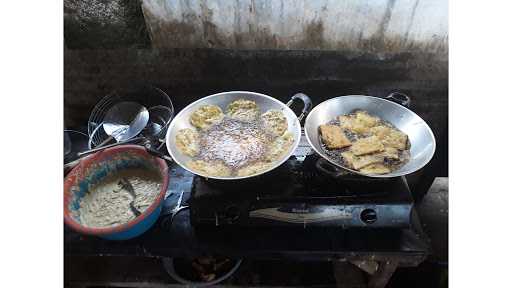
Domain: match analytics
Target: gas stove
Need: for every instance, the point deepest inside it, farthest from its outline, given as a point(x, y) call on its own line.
point(298, 194)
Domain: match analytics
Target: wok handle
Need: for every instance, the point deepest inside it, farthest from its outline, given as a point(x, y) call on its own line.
point(307, 104)
point(329, 169)
point(400, 98)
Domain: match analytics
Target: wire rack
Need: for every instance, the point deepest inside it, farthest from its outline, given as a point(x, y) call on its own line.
point(157, 102)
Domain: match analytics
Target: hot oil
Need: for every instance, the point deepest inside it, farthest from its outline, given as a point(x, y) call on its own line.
point(235, 143)
point(335, 154)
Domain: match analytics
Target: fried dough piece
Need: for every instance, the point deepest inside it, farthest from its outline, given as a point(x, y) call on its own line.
point(206, 116)
point(253, 168)
point(390, 137)
point(366, 146)
point(390, 153)
point(358, 162)
point(333, 137)
point(375, 169)
point(279, 147)
point(216, 168)
point(243, 110)
point(353, 125)
point(187, 141)
point(274, 122)
point(366, 119)
point(359, 123)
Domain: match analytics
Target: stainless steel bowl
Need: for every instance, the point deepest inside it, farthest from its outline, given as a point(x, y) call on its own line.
point(423, 143)
point(181, 121)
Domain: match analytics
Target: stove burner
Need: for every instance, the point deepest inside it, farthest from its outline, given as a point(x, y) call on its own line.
point(298, 193)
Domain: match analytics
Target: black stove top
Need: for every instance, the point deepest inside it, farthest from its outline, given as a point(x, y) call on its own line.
point(297, 193)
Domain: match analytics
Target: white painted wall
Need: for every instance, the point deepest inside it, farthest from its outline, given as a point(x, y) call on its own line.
point(381, 25)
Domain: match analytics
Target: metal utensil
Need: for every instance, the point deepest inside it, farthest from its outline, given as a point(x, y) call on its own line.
point(393, 110)
point(222, 100)
point(124, 121)
point(126, 185)
point(156, 101)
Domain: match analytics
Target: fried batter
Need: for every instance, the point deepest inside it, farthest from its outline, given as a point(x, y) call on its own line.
point(367, 145)
point(390, 137)
point(187, 141)
point(274, 122)
point(253, 168)
point(211, 168)
point(375, 169)
point(244, 110)
point(334, 137)
point(206, 116)
point(279, 147)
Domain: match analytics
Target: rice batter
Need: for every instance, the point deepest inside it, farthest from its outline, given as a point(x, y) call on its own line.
point(108, 203)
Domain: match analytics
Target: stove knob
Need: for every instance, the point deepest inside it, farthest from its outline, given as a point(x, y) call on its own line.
point(232, 213)
point(368, 216)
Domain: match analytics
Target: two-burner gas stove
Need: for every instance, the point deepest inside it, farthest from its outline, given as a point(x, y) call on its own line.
point(297, 193)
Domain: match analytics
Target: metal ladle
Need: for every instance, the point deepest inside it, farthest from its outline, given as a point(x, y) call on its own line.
point(124, 120)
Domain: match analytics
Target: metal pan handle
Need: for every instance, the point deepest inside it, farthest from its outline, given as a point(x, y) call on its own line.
point(329, 169)
point(307, 104)
point(156, 153)
point(400, 98)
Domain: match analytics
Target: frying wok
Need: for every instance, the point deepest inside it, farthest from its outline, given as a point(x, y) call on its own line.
point(423, 143)
point(264, 102)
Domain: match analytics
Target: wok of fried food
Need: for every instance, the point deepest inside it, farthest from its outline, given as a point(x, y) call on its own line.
point(206, 116)
point(376, 148)
point(274, 122)
point(244, 110)
point(230, 146)
point(187, 141)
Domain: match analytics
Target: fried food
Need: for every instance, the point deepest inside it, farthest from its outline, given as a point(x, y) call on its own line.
point(210, 168)
point(366, 146)
point(359, 123)
point(279, 147)
point(274, 122)
point(187, 141)
point(375, 169)
point(206, 116)
point(377, 147)
point(244, 110)
point(390, 137)
point(358, 162)
point(334, 137)
point(253, 168)
point(366, 119)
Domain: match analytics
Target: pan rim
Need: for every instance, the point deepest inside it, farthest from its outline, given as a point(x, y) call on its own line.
point(388, 175)
point(276, 164)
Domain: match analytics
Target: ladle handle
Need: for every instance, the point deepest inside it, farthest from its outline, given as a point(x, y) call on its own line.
point(307, 104)
point(108, 146)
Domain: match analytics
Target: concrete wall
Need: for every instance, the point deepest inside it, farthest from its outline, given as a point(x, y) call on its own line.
point(363, 25)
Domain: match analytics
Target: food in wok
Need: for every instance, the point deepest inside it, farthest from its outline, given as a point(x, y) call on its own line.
point(240, 142)
point(365, 143)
